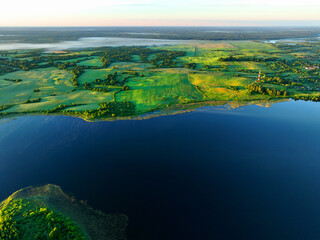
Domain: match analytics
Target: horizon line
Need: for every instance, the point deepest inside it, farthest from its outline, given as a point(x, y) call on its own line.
point(168, 26)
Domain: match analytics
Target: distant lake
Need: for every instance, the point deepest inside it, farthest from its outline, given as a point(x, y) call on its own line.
point(293, 40)
point(90, 42)
point(247, 173)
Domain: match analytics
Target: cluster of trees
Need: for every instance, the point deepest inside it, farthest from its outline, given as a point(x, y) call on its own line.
point(76, 72)
point(33, 100)
point(31, 54)
point(246, 59)
point(13, 80)
point(65, 65)
point(4, 107)
point(87, 86)
point(105, 61)
point(313, 98)
point(311, 48)
point(190, 65)
point(123, 54)
point(16, 63)
point(218, 68)
point(60, 108)
point(125, 88)
point(234, 88)
point(259, 88)
point(283, 66)
point(312, 79)
point(133, 73)
point(26, 219)
point(112, 79)
point(161, 58)
point(61, 57)
point(276, 80)
point(107, 109)
point(7, 66)
point(166, 59)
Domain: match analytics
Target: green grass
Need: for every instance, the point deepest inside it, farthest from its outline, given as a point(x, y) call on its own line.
point(54, 86)
point(49, 81)
point(95, 62)
point(215, 86)
point(252, 46)
point(136, 58)
point(92, 74)
point(159, 90)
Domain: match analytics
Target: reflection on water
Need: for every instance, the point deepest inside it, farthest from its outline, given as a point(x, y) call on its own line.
point(245, 173)
point(90, 42)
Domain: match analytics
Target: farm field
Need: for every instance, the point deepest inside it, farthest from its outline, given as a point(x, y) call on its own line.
point(121, 82)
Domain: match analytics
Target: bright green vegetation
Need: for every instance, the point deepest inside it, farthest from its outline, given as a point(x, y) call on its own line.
point(25, 219)
point(47, 213)
point(107, 83)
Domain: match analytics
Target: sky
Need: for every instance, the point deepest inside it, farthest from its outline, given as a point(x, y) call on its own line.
point(160, 13)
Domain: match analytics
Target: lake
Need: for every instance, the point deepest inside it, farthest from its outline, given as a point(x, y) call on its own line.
point(91, 42)
point(247, 173)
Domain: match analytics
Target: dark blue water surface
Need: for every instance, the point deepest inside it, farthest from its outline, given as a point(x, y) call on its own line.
point(248, 173)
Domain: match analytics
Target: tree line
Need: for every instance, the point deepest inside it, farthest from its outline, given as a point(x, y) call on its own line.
point(259, 88)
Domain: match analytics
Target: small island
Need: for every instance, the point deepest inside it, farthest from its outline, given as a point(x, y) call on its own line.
point(126, 82)
point(46, 212)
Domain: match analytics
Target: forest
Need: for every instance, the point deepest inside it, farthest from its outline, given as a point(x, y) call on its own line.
point(28, 220)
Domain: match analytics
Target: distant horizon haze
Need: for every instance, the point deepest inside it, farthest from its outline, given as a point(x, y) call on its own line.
point(301, 25)
point(118, 13)
point(241, 24)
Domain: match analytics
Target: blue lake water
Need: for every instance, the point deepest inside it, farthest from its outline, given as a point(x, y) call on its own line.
point(91, 42)
point(247, 173)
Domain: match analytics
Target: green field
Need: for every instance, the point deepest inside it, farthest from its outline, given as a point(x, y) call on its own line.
point(92, 62)
point(139, 80)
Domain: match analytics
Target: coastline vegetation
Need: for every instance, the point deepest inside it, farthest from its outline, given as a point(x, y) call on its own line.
point(46, 212)
point(25, 219)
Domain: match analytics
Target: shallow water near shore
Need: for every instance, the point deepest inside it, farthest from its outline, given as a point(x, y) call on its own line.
point(245, 173)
